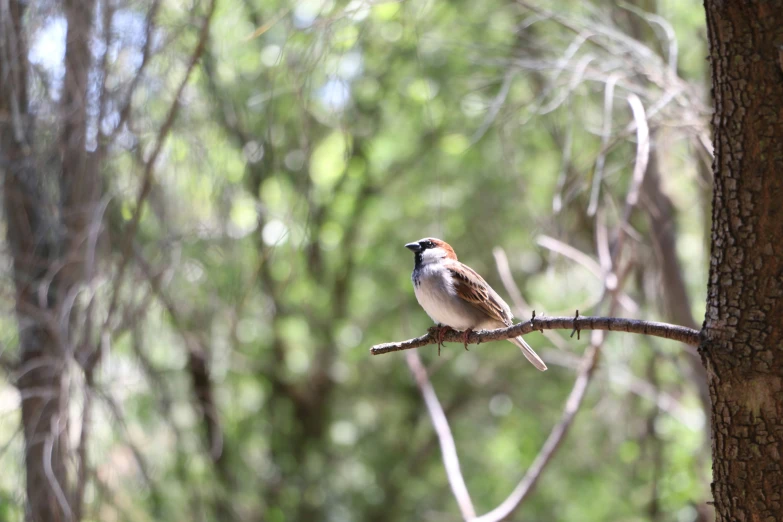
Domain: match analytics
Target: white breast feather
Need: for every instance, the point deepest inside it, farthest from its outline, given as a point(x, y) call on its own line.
point(436, 294)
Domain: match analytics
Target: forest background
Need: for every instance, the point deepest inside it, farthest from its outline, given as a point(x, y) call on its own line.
point(252, 172)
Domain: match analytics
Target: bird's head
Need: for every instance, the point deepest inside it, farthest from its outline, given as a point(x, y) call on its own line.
point(431, 250)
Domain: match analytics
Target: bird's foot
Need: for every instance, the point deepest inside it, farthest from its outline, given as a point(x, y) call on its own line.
point(465, 336)
point(440, 332)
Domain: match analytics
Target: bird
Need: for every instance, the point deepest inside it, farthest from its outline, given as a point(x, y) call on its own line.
point(456, 296)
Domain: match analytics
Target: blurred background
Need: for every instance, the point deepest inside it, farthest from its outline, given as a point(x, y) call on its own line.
point(260, 165)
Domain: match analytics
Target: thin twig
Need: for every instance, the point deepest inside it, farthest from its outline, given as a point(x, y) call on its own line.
point(146, 53)
point(572, 405)
point(606, 131)
point(671, 37)
point(146, 184)
point(520, 305)
point(566, 250)
point(119, 418)
point(54, 484)
point(81, 452)
point(447, 446)
point(642, 151)
point(612, 287)
point(572, 253)
point(685, 335)
point(626, 381)
point(556, 436)
point(197, 366)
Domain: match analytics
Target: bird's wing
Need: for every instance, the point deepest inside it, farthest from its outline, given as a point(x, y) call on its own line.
point(472, 288)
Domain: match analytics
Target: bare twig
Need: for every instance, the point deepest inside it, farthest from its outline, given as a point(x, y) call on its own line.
point(612, 287)
point(57, 488)
point(556, 436)
point(663, 235)
point(565, 161)
point(671, 39)
point(504, 271)
point(197, 365)
point(566, 250)
point(119, 417)
point(145, 58)
point(495, 107)
point(14, 79)
point(163, 132)
point(445, 439)
point(146, 184)
point(642, 152)
point(572, 405)
point(574, 254)
point(81, 453)
point(606, 131)
point(685, 335)
point(520, 305)
point(625, 380)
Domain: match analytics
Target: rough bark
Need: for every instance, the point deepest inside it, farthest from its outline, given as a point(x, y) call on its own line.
point(34, 247)
point(49, 199)
point(743, 333)
point(79, 185)
point(41, 363)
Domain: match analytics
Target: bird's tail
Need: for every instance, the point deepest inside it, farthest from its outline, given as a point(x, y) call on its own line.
point(530, 355)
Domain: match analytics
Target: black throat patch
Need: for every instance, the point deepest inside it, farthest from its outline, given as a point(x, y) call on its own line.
point(416, 269)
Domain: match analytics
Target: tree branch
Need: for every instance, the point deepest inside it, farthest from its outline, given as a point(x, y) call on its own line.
point(447, 446)
point(612, 324)
point(130, 230)
point(556, 436)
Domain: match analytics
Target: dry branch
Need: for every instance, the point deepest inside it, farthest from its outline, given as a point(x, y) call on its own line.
point(553, 441)
point(147, 176)
point(446, 440)
point(611, 324)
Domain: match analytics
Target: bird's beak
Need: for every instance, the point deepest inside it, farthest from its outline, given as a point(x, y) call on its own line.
point(413, 247)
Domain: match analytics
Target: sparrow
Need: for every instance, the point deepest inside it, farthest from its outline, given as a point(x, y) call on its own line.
point(455, 296)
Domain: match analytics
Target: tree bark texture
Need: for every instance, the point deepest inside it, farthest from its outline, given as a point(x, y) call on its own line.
point(742, 346)
point(34, 248)
point(48, 201)
point(79, 183)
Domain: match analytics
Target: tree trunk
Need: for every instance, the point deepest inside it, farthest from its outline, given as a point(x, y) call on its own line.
point(48, 201)
point(33, 246)
point(742, 346)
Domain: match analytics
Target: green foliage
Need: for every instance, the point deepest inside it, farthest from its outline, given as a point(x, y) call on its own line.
point(302, 160)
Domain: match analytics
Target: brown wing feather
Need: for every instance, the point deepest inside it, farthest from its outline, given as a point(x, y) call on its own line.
point(472, 288)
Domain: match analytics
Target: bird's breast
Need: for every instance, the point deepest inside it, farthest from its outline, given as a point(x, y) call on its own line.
point(435, 293)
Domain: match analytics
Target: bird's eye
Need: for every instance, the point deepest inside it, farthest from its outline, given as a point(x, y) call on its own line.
point(428, 244)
